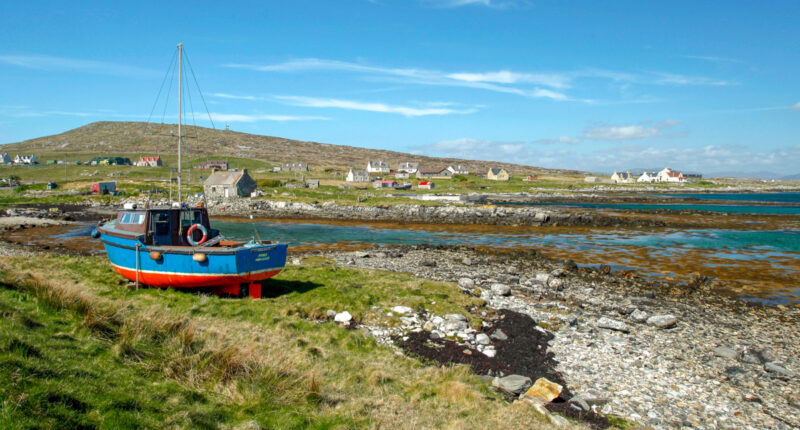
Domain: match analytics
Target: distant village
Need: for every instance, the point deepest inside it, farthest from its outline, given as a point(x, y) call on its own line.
point(227, 182)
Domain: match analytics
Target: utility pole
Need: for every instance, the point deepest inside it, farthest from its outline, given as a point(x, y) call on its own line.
point(180, 111)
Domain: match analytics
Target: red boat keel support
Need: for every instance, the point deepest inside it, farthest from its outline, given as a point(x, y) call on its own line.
point(255, 291)
point(240, 290)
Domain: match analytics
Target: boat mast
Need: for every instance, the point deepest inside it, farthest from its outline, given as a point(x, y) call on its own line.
point(180, 108)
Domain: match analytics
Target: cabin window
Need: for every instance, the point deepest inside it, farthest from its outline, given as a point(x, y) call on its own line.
point(132, 218)
point(191, 217)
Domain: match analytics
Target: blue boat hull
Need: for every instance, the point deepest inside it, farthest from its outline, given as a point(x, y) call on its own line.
point(189, 267)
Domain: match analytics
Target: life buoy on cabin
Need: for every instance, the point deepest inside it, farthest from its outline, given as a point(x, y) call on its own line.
point(191, 230)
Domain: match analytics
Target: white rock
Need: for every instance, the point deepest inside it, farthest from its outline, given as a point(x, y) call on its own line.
point(612, 324)
point(482, 339)
point(639, 316)
point(466, 283)
point(489, 352)
point(662, 321)
point(501, 289)
point(401, 310)
point(343, 317)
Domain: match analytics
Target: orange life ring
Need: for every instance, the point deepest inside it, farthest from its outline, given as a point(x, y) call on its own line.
point(191, 230)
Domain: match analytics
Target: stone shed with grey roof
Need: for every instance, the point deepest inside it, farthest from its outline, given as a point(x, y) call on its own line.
point(229, 185)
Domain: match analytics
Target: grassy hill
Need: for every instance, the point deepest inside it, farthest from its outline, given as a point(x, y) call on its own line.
point(138, 138)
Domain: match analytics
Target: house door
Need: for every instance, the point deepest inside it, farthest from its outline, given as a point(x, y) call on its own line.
point(227, 193)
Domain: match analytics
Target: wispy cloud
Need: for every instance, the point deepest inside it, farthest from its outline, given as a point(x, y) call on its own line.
point(617, 133)
point(676, 79)
point(105, 114)
point(473, 149)
point(491, 81)
point(712, 58)
point(548, 85)
point(235, 97)
point(508, 77)
point(796, 106)
point(628, 132)
point(494, 4)
point(233, 117)
point(49, 63)
point(370, 106)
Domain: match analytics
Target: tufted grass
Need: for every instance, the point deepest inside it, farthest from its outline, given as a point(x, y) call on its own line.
point(79, 348)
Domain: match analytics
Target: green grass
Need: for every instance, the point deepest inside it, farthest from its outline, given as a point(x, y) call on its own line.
point(78, 349)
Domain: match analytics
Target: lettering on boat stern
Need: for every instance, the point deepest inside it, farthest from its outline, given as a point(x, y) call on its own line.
point(264, 256)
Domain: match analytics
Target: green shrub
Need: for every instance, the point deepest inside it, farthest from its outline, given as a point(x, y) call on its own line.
point(269, 183)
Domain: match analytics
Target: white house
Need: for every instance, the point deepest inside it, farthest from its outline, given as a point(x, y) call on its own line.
point(357, 176)
point(408, 167)
point(377, 167)
point(25, 159)
point(622, 178)
point(426, 185)
point(669, 175)
point(648, 177)
point(458, 170)
point(4, 158)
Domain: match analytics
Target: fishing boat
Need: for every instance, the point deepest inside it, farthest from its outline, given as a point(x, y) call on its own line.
point(175, 247)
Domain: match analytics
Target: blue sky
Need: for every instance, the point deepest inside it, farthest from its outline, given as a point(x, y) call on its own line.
point(595, 85)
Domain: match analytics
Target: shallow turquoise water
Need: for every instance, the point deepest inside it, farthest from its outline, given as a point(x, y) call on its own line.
point(788, 197)
point(726, 208)
point(309, 234)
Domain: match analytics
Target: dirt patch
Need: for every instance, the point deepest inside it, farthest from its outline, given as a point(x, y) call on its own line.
point(524, 352)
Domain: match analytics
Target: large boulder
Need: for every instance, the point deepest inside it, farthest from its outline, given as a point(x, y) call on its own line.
point(544, 391)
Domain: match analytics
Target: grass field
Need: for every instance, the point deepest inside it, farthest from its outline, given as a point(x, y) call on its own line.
point(78, 349)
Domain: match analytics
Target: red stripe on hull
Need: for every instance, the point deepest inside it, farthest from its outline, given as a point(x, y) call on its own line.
point(174, 280)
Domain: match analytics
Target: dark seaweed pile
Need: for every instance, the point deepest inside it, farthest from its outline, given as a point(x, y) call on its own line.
point(523, 353)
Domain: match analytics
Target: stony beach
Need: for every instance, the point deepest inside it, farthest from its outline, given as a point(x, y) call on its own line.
point(661, 354)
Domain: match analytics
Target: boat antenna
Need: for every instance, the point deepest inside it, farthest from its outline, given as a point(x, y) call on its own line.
point(180, 108)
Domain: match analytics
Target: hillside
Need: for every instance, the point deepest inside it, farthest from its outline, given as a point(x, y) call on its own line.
point(118, 137)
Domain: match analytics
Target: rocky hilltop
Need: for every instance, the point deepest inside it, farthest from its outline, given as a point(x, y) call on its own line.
point(122, 137)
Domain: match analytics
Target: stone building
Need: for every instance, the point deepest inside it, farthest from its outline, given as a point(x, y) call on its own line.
point(229, 185)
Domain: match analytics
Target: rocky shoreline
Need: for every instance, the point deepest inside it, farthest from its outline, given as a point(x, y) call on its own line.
point(445, 214)
point(663, 354)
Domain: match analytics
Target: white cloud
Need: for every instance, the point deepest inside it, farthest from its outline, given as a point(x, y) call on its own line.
point(796, 106)
point(712, 58)
point(627, 132)
point(494, 4)
point(615, 133)
point(682, 80)
point(43, 62)
point(370, 106)
point(232, 117)
point(509, 77)
point(473, 149)
point(235, 97)
point(548, 85)
point(491, 81)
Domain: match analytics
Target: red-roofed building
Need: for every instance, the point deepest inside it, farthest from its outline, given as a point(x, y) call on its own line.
point(149, 162)
point(669, 175)
point(426, 185)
